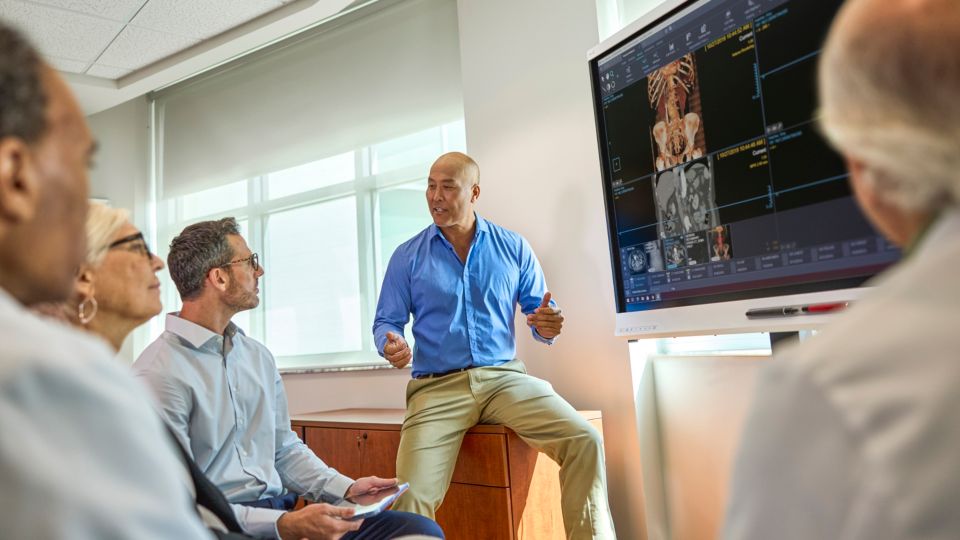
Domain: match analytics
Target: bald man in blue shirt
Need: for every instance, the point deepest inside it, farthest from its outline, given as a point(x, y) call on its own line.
point(461, 278)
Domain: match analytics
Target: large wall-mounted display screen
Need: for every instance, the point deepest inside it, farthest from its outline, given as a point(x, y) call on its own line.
point(718, 185)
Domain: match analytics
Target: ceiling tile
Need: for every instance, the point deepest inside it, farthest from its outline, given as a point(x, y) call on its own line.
point(138, 47)
point(59, 33)
point(200, 20)
point(67, 65)
point(107, 72)
point(117, 10)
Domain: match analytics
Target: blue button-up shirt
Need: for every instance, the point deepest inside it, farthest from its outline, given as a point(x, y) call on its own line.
point(463, 314)
point(223, 397)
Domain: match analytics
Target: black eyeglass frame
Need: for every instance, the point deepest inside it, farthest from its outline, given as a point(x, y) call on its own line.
point(133, 238)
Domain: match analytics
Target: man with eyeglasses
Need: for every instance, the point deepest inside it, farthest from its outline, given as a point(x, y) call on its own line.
point(222, 395)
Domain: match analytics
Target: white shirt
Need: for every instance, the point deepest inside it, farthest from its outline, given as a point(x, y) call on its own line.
point(82, 455)
point(856, 433)
point(228, 407)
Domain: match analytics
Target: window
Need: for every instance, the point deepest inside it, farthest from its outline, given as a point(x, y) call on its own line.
point(318, 174)
point(325, 231)
point(313, 279)
point(612, 15)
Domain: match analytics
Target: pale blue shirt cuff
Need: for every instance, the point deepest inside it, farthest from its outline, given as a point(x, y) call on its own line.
point(541, 339)
point(258, 522)
point(262, 522)
point(338, 486)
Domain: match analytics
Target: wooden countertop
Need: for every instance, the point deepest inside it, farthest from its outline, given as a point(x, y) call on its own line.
point(386, 419)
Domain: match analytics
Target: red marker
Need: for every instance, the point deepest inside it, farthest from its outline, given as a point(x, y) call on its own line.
point(824, 308)
point(789, 311)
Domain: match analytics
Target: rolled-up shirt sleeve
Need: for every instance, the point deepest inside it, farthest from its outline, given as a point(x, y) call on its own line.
point(258, 522)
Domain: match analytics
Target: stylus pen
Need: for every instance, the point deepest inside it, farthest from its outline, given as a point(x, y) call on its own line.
point(788, 311)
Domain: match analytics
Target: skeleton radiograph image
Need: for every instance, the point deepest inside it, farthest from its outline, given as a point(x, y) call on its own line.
point(674, 95)
point(720, 245)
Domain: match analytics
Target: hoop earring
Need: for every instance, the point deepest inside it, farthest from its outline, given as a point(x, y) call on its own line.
point(82, 308)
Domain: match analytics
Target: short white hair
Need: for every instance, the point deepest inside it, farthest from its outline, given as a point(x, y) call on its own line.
point(890, 96)
point(103, 223)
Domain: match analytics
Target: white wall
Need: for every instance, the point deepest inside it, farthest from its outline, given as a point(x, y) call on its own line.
point(377, 389)
point(529, 124)
point(701, 407)
point(122, 172)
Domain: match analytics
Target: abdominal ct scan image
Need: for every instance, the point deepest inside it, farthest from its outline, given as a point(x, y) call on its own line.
point(685, 199)
point(666, 193)
point(697, 196)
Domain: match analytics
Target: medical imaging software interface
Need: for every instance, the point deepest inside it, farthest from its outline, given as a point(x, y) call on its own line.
point(718, 182)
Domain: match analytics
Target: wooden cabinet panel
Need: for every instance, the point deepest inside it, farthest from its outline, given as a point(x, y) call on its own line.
point(470, 511)
point(338, 448)
point(482, 460)
point(534, 492)
point(298, 430)
point(356, 452)
point(501, 488)
point(379, 453)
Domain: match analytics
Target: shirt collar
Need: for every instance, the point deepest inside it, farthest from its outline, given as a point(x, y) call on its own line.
point(195, 334)
point(482, 227)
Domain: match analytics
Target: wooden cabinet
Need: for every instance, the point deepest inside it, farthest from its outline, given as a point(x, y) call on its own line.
point(356, 452)
point(501, 487)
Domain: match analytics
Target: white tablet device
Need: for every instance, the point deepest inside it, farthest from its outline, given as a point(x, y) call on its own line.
point(362, 511)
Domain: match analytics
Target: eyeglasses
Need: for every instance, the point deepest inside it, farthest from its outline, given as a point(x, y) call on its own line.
point(136, 243)
point(253, 259)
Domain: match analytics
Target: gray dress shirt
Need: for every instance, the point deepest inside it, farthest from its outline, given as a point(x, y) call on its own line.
point(82, 456)
point(224, 398)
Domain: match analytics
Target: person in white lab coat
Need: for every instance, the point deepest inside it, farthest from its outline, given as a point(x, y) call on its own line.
point(856, 433)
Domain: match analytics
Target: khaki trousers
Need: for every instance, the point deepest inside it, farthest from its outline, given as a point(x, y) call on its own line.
point(440, 410)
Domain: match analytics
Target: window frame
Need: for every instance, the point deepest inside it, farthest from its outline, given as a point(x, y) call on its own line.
point(170, 219)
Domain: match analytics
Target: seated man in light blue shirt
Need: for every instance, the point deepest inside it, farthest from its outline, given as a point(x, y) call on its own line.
point(222, 395)
point(461, 279)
